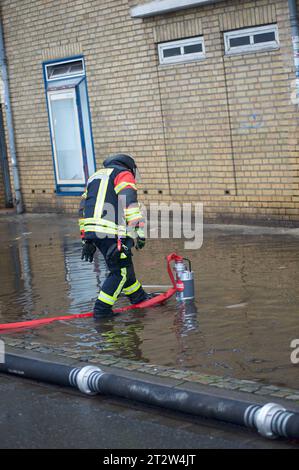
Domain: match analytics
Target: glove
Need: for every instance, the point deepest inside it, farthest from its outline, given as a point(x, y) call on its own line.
point(88, 250)
point(140, 240)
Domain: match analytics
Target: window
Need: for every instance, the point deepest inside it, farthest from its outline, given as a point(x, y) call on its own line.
point(70, 126)
point(71, 68)
point(251, 39)
point(184, 50)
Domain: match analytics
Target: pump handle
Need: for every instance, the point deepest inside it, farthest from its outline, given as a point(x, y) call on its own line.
point(189, 262)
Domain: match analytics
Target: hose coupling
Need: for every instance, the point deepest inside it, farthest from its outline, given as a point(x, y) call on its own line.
point(87, 378)
point(267, 417)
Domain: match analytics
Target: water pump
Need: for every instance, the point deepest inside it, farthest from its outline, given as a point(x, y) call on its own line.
point(184, 278)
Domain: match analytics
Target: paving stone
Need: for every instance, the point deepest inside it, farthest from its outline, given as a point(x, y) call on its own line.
point(132, 367)
point(249, 382)
point(200, 378)
point(293, 397)
point(280, 394)
point(227, 385)
point(271, 387)
point(249, 389)
point(263, 392)
point(165, 373)
point(12, 342)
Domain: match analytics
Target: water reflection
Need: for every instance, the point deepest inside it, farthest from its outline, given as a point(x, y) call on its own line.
point(242, 323)
point(185, 320)
point(123, 336)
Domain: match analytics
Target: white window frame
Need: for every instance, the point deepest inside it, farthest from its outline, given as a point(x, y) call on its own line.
point(183, 57)
point(62, 76)
point(252, 47)
point(60, 95)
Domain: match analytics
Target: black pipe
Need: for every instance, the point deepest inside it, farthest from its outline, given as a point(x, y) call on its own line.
point(38, 370)
point(271, 420)
point(195, 403)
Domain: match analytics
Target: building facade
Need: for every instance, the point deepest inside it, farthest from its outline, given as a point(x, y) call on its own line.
point(204, 98)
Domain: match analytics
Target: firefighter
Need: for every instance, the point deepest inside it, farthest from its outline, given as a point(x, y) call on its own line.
point(111, 220)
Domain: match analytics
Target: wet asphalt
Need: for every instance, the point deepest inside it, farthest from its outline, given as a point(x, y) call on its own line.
point(41, 416)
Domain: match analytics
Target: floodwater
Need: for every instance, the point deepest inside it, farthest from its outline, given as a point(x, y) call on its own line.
point(241, 324)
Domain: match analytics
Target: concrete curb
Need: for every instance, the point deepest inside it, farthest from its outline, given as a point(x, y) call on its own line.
point(245, 390)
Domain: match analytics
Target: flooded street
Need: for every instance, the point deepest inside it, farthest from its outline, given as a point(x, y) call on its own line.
point(241, 325)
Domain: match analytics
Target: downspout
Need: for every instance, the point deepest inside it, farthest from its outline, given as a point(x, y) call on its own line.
point(9, 123)
point(4, 164)
point(293, 11)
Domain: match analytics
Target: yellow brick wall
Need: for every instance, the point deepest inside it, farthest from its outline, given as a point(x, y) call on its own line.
point(2, 194)
point(230, 119)
point(222, 130)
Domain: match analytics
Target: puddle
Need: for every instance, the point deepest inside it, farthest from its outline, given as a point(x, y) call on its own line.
point(241, 325)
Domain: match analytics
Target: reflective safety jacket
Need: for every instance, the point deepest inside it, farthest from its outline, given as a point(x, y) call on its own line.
point(109, 204)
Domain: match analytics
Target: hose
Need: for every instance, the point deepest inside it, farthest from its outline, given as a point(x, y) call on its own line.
point(270, 420)
point(158, 299)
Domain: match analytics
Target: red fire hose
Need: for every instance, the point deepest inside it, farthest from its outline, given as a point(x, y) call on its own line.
point(147, 303)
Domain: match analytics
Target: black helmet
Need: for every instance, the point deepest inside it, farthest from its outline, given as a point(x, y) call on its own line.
point(121, 159)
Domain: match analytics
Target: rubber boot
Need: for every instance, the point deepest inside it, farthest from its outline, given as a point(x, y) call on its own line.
point(140, 296)
point(101, 310)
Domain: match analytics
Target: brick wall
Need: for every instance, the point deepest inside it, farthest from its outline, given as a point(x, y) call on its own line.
point(2, 194)
point(222, 130)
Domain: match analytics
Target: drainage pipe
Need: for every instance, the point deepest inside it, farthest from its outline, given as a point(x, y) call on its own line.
point(270, 420)
point(9, 123)
point(4, 165)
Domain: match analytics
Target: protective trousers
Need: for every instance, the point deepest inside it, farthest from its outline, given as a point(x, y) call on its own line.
point(121, 277)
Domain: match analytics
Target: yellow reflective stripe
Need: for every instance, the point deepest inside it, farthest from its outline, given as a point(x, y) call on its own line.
point(104, 229)
point(111, 299)
point(99, 174)
point(132, 218)
point(132, 211)
point(133, 214)
point(123, 272)
point(92, 224)
point(101, 196)
point(107, 299)
point(106, 223)
point(123, 256)
point(123, 185)
point(133, 288)
point(81, 224)
point(133, 208)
